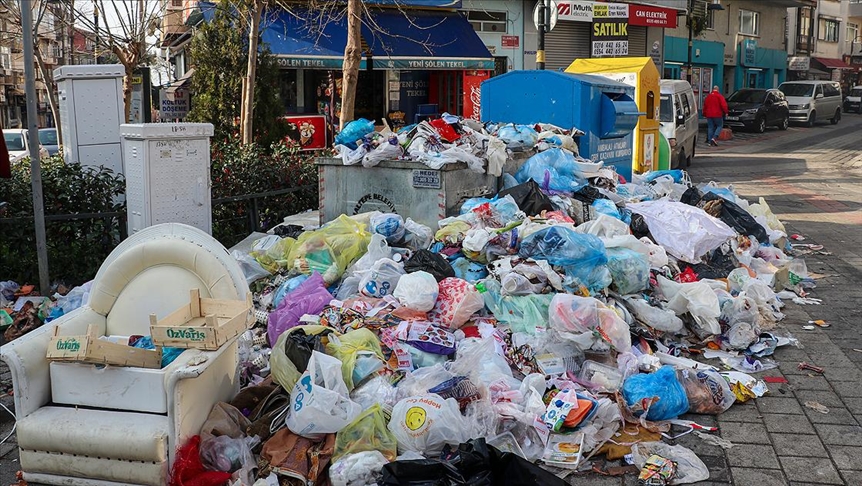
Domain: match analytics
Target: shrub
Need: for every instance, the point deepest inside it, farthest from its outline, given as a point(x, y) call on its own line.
point(76, 248)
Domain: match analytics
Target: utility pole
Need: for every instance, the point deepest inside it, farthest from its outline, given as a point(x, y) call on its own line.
point(33, 141)
point(540, 52)
point(690, 42)
point(96, 41)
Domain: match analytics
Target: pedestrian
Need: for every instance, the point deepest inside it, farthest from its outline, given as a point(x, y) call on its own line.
point(714, 109)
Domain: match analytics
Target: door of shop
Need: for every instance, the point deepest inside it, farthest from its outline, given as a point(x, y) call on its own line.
point(701, 83)
point(754, 78)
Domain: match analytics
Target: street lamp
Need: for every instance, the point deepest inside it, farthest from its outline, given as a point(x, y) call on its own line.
point(711, 7)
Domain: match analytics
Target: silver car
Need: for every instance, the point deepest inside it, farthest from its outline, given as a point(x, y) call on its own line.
point(48, 139)
point(19, 145)
point(810, 101)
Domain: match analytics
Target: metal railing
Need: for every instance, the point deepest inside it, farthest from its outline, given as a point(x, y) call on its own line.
point(251, 205)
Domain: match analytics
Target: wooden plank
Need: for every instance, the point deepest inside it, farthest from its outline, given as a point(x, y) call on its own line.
point(195, 302)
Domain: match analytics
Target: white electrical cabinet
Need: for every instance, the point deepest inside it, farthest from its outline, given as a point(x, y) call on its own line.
point(167, 174)
point(91, 111)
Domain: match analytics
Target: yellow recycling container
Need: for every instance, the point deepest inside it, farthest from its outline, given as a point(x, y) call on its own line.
point(641, 73)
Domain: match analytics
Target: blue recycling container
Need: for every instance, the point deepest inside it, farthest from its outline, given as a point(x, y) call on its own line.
point(605, 110)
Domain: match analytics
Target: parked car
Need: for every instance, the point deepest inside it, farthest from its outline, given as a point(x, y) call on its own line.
point(678, 117)
point(853, 101)
point(48, 139)
point(18, 145)
point(756, 109)
point(810, 100)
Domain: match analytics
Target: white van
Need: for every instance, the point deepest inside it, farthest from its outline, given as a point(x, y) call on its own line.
point(678, 117)
point(813, 100)
point(853, 101)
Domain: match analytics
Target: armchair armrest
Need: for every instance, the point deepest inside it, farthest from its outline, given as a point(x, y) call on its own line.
point(28, 365)
point(193, 389)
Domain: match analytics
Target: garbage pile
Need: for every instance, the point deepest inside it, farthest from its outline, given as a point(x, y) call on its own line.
point(22, 309)
point(550, 324)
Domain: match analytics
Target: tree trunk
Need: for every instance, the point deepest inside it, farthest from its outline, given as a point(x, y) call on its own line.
point(352, 58)
point(251, 72)
point(49, 86)
point(127, 90)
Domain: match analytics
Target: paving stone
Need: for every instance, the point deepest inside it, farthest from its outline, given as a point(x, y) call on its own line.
point(847, 389)
point(718, 468)
point(833, 434)
point(810, 469)
point(839, 415)
point(846, 457)
point(741, 412)
point(827, 398)
point(594, 480)
point(848, 373)
point(758, 477)
point(805, 382)
point(854, 405)
point(850, 477)
point(753, 455)
point(798, 445)
point(744, 433)
point(787, 405)
point(785, 423)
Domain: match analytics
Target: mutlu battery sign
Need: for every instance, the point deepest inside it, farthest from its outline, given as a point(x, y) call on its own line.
point(610, 25)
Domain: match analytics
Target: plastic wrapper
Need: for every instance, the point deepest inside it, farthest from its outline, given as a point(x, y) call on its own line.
point(518, 137)
point(381, 279)
point(310, 297)
point(529, 198)
point(706, 390)
point(456, 302)
point(427, 261)
point(686, 232)
point(582, 256)
point(359, 469)
point(418, 235)
point(425, 424)
point(349, 347)
point(689, 468)
point(629, 270)
point(319, 401)
point(520, 313)
point(386, 150)
point(577, 318)
point(417, 291)
point(353, 131)
point(662, 385)
point(331, 249)
point(552, 169)
point(390, 225)
point(377, 390)
point(367, 432)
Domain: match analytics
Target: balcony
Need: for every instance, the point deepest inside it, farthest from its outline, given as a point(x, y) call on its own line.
point(172, 26)
point(804, 44)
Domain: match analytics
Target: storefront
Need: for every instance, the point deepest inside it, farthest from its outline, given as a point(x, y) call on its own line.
point(759, 67)
point(707, 60)
point(835, 69)
point(410, 58)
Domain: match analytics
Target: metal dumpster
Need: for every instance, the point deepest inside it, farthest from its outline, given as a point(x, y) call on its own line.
point(409, 189)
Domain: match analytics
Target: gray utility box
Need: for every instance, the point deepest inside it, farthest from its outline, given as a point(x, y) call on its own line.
point(409, 189)
point(91, 111)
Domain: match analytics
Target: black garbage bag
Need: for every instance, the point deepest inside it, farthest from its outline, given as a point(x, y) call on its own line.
point(717, 264)
point(529, 198)
point(420, 472)
point(730, 212)
point(428, 261)
point(288, 231)
point(588, 194)
point(639, 226)
point(299, 345)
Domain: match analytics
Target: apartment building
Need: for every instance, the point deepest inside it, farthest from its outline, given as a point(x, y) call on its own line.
point(823, 41)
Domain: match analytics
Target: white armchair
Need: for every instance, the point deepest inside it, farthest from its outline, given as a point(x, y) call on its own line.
point(79, 424)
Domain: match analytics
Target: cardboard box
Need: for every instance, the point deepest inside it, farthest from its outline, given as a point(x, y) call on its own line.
point(203, 323)
point(90, 349)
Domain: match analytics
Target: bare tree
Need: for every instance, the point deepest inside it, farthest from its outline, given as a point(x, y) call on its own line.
point(254, 11)
point(352, 58)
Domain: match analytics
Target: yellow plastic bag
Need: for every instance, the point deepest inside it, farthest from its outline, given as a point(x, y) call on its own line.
point(368, 432)
point(276, 256)
point(348, 348)
point(453, 232)
point(284, 372)
point(331, 249)
point(763, 209)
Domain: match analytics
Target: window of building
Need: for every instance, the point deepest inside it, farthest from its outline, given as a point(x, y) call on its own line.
point(177, 3)
point(484, 21)
point(853, 33)
point(5, 58)
point(710, 19)
point(749, 22)
point(48, 21)
point(828, 30)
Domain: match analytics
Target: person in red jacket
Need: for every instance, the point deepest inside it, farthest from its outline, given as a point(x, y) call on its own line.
point(714, 109)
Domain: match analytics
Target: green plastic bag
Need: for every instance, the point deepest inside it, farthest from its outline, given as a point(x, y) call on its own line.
point(331, 249)
point(360, 344)
point(522, 313)
point(369, 432)
point(276, 256)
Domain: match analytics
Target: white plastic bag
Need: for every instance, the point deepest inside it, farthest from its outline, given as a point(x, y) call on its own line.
point(390, 225)
point(660, 319)
point(387, 150)
point(696, 298)
point(497, 155)
point(417, 291)
point(425, 424)
point(351, 156)
point(360, 469)
point(377, 250)
point(319, 401)
point(686, 232)
point(381, 279)
point(576, 318)
point(657, 254)
point(689, 468)
point(418, 235)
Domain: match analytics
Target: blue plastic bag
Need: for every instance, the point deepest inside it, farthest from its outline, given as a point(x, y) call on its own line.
point(552, 169)
point(607, 207)
point(287, 287)
point(663, 384)
point(518, 137)
point(468, 270)
point(353, 131)
point(522, 313)
point(677, 175)
point(168, 354)
point(390, 226)
point(629, 270)
point(582, 256)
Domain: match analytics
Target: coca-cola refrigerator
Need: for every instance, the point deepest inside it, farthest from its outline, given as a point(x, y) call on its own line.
point(472, 85)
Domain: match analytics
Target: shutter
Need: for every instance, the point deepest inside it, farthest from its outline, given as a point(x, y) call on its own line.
point(637, 41)
point(567, 42)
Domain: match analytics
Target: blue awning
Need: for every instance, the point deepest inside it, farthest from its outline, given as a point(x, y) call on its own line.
point(418, 39)
point(302, 39)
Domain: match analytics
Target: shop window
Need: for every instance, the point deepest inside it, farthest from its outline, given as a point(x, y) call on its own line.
point(749, 22)
point(828, 30)
point(485, 21)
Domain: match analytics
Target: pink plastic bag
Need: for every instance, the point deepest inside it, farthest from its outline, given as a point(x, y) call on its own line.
point(310, 297)
point(457, 301)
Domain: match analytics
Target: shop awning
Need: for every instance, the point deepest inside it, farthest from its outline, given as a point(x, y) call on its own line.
point(830, 63)
point(183, 81)
point(303, 39)
point(417, 39)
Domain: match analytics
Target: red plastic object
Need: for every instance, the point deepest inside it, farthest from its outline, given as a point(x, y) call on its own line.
point(725, 134)
point(687, 275)
point(445, 130)
point(188, 470)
